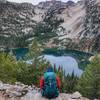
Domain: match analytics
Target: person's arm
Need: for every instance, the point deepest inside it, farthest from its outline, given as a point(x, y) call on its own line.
point(42, 83)
point(58, 81)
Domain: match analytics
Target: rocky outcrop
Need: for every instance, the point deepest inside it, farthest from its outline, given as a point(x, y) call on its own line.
point(62, 96)
point(20, 91)
point(16, 90)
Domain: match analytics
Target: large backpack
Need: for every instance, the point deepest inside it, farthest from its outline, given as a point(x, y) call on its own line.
point(50, 85)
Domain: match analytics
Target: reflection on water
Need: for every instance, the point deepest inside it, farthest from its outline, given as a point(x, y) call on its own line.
point(68, 63)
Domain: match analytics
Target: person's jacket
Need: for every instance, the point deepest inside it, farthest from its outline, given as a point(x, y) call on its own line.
point(42, 82)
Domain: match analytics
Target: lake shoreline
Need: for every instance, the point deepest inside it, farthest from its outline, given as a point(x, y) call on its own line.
point(51, 49)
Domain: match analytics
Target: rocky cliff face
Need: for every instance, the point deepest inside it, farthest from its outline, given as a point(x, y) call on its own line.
point(20, 19)
point(72, 14)
point(16, 18)
point(16, 21)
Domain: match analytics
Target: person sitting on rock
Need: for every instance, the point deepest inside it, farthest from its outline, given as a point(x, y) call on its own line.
point(50, 84)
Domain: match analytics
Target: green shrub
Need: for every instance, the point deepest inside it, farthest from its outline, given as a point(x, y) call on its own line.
point(89, 83)
point(8, 68)
point(24, 73)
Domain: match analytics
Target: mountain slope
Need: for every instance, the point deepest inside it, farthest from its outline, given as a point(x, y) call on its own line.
point(74, 22)
point(20, 20)
point(16, 18)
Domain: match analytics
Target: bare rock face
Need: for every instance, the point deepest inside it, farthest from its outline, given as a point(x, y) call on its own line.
point(16, 90)
point(76, 95)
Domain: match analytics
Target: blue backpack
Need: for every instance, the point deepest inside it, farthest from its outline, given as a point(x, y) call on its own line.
point(50, 85)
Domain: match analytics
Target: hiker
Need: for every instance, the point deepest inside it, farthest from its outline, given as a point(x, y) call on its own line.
point(50, 84)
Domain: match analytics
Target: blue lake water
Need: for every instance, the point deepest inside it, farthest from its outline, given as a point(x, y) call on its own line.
point(68, 63)
point(20, 52)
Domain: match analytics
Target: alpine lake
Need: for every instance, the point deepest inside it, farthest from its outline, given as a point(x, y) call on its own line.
point(70, 60)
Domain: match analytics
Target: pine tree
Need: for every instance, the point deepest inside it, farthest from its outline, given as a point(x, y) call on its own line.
point(8, 68)
point(89, 83)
